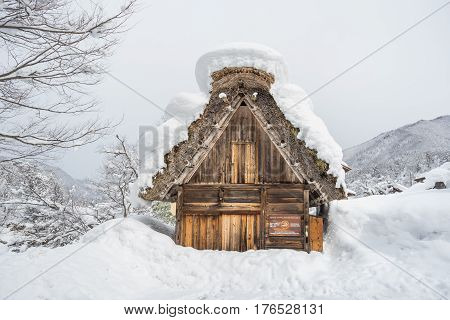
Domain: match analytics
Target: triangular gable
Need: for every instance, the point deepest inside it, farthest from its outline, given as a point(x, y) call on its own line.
point(244, 153)
point(184, 160)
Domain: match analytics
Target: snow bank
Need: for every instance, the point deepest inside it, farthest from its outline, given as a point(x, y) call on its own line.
point(156, 225)
point(439, 174)
point(125, 259)
point(186, 107)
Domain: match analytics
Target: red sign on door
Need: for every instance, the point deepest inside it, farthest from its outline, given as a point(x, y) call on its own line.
point(284, 225)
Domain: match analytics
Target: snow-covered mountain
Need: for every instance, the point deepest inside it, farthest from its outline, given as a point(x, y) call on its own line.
point(398, 155)
point(84, 188)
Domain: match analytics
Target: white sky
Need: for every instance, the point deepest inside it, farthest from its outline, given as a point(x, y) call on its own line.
point(407, 81)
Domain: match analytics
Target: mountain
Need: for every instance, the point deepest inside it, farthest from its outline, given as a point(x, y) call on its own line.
point(398, 155)
point(84, 188)
point(37, 169)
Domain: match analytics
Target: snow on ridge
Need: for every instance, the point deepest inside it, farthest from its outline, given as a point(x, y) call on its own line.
point(239, 54)
point(298, 109)
point(186, 106)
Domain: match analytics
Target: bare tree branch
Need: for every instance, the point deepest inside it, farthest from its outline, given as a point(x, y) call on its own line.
point(53, 52)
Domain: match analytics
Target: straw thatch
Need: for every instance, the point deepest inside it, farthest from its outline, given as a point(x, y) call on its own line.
point(241, 84)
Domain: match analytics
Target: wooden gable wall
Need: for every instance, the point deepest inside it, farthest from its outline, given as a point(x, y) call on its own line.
point(244, 154)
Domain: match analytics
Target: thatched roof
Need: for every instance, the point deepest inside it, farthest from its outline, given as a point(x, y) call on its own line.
point(252, 86)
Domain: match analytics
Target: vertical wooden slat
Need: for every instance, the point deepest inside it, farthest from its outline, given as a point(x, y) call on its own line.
point(251, 163)
point(243, 237)
point(257, 232)
point(235, 232)
point(234, 162)
point(225, 232)
point(250, 239)
point(306, 213)
point(188, 230)
point(219, 232)
point(195, 232)
point(203, 232)
point(262, 219)
point(179, 212)
point(246, 162)
point(183, 230)
point(210, 232)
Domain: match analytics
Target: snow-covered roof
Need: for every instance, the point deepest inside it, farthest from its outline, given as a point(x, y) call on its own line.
point(239, 55)
point(290, 98)
point(439, 174)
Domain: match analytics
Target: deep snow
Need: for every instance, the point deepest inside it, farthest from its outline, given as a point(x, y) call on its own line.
point(126, 259)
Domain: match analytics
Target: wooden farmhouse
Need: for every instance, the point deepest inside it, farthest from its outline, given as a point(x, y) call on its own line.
point(243, 180)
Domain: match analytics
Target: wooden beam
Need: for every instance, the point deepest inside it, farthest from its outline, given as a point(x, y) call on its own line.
point(178, 215)
point(306, 212)
point(262, 219)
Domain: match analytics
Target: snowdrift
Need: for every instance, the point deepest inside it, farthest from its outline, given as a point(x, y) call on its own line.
point(380, 247)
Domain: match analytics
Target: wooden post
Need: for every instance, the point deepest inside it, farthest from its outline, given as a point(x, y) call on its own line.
point(262, 219)
point(179, 213)
point(306, 215)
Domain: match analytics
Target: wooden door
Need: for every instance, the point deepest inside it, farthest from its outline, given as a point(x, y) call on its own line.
point(243, 162)
point(316, 233)
point(239, 232)
point(285, 216)
point(220, 217)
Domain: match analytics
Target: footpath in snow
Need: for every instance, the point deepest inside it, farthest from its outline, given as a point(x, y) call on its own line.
point(126, 259)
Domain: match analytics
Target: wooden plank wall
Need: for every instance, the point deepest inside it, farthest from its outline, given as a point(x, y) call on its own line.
point(237, 217)
point(231, 232)
point(244, 154)
point(221, 217)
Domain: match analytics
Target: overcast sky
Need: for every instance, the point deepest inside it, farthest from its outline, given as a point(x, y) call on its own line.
point(406, 81)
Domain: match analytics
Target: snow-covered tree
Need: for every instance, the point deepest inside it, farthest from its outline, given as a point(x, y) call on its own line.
point(120, 168)
point(37, 210)
point(52, 51)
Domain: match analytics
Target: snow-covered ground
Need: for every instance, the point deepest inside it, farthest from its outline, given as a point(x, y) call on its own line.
point(125, 259)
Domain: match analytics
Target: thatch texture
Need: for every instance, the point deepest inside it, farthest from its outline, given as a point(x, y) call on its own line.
point(238, 84)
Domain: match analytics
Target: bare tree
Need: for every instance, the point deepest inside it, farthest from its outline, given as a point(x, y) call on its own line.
point(51, 52)
point(118, 171)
